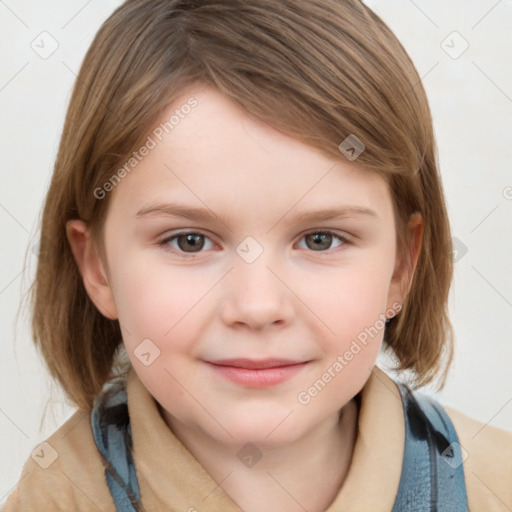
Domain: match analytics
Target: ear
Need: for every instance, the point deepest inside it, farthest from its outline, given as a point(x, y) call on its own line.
point(91, 268)
point(404, 269)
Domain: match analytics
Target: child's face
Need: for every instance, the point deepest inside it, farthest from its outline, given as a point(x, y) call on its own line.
point(256, 285)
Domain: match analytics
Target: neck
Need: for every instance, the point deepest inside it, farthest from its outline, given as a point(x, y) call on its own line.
point(303, 475)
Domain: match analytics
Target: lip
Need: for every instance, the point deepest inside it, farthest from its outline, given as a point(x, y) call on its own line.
point(257, 373)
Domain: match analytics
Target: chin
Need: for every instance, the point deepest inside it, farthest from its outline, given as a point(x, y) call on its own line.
point(263, 431)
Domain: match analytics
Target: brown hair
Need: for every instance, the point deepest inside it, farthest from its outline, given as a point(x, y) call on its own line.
point(318, 71)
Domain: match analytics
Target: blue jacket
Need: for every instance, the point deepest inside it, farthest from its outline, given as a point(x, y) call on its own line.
point(432, 478)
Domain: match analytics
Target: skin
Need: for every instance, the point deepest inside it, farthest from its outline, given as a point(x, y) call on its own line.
point(295, 301)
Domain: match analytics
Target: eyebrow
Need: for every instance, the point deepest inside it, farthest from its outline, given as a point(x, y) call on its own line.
point(177, 210)
point(206, 214)
point(334, 213)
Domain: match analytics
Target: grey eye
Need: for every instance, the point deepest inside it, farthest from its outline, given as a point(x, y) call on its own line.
point(321, 241)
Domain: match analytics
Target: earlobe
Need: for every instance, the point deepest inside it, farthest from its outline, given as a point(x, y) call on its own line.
point(404, 271)
point(91, 268)
point(416, 238)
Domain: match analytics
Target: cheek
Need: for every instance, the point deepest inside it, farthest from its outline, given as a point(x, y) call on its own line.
point(348, 300)
point(155, 302)
point(353, 319)
point(162, 306)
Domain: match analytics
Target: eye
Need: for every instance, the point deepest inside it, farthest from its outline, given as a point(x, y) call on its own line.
point(186, 242)
point(322, 240)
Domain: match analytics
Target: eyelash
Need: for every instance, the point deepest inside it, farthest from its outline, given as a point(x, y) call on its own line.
point(164, 244)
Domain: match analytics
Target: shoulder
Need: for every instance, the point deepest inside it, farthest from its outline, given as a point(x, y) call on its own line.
point(65, 472)
point(487, 454)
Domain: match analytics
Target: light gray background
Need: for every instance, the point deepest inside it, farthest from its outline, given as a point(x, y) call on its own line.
point(471, 100)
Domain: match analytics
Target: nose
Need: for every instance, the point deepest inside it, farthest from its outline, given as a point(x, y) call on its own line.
point(256, 297)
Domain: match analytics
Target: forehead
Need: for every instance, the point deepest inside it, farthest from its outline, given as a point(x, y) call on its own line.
point(206, 149)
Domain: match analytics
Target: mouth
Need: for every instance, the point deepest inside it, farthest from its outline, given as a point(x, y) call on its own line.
point(257, 373)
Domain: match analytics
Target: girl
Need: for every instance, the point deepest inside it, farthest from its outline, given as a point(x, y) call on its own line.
point(245, 208)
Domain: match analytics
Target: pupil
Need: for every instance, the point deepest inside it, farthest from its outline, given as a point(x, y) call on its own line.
point(322, 240)
point(192, 242)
